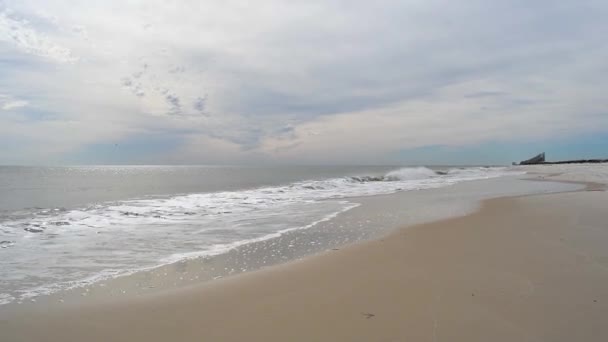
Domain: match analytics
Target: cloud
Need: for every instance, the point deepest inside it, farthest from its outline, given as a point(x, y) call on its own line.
point(199, 105)
point(314, 81)
point(18, 32)
point(14, 104)
point(8, 102)
point(175, 106)
point(448, 118)
point(486, 93)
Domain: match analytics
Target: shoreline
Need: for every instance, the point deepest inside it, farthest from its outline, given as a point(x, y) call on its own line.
point(373, 217)
point(391, 288)
point(82, 247)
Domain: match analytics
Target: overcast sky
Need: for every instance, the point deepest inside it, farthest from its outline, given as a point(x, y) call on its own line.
point(339, 82)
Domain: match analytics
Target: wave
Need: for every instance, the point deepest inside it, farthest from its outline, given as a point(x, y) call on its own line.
point(421, 172)
point(410, 173)
point(192, 207)
point(117, 238)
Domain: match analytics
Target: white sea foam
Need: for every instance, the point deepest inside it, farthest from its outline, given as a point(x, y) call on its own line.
point(53, 249)
point(410, 173)
point(6, 298)
point(220, 249)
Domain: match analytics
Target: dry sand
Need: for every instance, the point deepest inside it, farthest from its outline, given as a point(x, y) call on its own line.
point(520, 269)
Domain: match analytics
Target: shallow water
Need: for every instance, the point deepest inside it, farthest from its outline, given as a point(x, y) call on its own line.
point(84, 238)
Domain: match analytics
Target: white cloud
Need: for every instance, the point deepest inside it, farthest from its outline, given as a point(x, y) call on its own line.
point(13, 104)
point(313, 80)
point(450, 117)
point(8, 102)
point(20, 33)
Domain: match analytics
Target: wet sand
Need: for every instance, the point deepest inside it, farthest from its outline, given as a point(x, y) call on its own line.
point(531, 268)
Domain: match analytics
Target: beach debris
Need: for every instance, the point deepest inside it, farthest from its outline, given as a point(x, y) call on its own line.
point(368, 315)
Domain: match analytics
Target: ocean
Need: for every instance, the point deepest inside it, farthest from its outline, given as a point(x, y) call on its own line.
point(64, 227)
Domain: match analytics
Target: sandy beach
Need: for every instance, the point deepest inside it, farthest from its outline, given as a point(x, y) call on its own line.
point(312, 171)
point(532, 268)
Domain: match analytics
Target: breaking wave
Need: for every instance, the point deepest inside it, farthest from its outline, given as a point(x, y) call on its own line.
point(65, 246)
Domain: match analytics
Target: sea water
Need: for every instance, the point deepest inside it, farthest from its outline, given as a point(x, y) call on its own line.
point(64, 227)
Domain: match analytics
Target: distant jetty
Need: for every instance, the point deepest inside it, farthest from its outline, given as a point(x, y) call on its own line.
point(540, 160)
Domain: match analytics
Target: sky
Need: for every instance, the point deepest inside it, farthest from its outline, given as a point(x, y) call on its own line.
point(302, 82)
